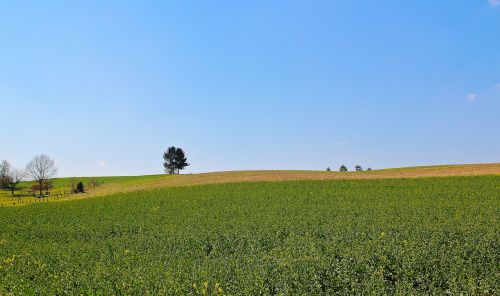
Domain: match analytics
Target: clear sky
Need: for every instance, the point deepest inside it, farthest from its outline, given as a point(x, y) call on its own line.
point(104, 87)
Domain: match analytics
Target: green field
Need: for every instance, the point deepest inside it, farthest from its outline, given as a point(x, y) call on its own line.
point(122, 184)
point(64, 185)
point(405, 236)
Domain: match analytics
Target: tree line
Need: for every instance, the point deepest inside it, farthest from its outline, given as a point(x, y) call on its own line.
point(41, 169)
point(343, 168)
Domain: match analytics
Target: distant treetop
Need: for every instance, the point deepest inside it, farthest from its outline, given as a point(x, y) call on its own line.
point(174, 160)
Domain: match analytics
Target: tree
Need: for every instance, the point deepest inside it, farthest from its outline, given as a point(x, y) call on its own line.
point(169, 160)
point(358, 168)
point(174, 160)
point(15, 177)
point(4, 173)
point(180, 160)
point(45, 186)
point(328, 169)
point(41, 169)
point(73, 186)
point(343, 168)
point(369, 169)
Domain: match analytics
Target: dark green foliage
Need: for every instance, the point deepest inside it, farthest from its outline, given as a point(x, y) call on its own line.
point(343, 168)
point(174, 160)
point(358, 168)
point(180, 160)
point(80, 188)
point(169, 160)
point(328, 169)
point(374, 237)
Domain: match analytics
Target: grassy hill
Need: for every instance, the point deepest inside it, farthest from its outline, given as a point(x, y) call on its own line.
point(120, 184)
point(378, 236)
point(418, 230)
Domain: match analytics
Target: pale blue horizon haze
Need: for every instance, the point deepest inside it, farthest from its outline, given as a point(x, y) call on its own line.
point(104, 87)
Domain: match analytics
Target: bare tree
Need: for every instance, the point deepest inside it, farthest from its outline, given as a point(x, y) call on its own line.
point(41, 169)
point(73, 185)
point(15, 177)
point(4, 173)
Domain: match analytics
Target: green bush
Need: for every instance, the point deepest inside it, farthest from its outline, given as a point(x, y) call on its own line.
point(80, 188)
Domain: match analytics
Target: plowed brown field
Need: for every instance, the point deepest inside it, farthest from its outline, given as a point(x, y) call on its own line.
point(276, 175)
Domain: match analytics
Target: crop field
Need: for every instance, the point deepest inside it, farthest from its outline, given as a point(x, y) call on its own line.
point(140, 183)
point(391, 236)
point(22, 197)
point(122, 184)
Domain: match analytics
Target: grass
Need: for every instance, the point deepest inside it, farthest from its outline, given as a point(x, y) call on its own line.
point(391, 236)
point(64, 185)
point(120, 184)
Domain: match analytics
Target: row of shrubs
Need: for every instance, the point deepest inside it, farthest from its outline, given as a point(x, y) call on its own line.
point(343, 168)
point(80, 187)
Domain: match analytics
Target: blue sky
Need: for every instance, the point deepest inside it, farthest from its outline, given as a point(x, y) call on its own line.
point(104, 87)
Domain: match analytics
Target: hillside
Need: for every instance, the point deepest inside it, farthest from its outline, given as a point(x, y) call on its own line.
point(419, 236)
point(121, 184)
point(139, 183)
point(408, 231)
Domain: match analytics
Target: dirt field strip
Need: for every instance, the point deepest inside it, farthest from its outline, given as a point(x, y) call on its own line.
point(258, 176)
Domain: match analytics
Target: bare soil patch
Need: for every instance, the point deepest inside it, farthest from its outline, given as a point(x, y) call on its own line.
point(258, 176)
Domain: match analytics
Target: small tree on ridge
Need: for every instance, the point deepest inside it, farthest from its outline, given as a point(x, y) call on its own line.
point(41, 169)
point(174, 160)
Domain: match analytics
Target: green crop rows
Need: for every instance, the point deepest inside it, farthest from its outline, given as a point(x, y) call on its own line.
point(416, 236)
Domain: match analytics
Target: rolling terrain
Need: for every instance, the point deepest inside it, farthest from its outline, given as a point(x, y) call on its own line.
point(162, 181)
point(121, 184)
point(414, 231)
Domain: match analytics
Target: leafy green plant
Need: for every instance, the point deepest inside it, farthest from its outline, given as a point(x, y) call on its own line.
point(400, 236)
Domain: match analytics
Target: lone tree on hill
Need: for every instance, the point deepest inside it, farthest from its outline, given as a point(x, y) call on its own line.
point(358, 168)
point(343, 168)
point(15, 177)
point(41, 169)
point(174, 160)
